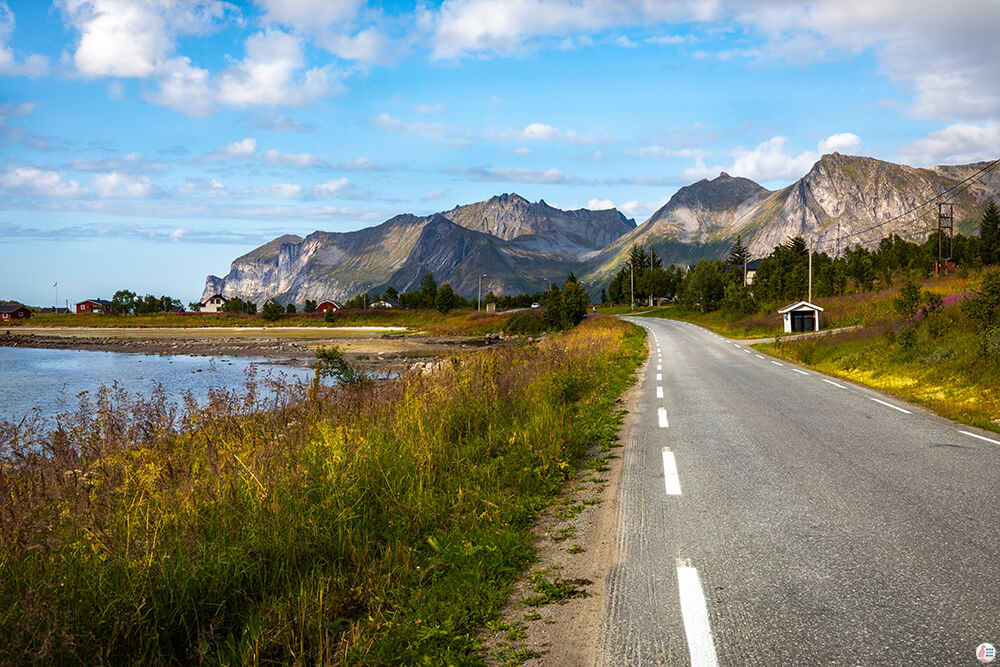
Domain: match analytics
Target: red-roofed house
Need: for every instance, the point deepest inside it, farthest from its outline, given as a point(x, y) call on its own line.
point(99, 306)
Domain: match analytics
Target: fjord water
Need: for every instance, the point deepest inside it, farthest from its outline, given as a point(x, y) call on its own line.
point(50, 380)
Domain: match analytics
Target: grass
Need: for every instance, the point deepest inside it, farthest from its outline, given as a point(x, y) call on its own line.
point(938, 362)
point(457, 322)
point(860, 308)
point(381, 524)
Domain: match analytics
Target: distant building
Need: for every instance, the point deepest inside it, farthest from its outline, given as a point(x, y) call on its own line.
point(13, 313)
point(50, 311)
point(214, 304)
point(800, 317)
point(385, 304)
point(99, 306)
point(328, 305)
point(752, 267)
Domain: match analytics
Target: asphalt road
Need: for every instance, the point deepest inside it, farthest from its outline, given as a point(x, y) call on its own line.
point(770, 515)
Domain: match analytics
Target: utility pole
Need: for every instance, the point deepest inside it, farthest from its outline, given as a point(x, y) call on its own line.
point(809, 250)
point(631, 273)
point(946, 219)
point(479, 299)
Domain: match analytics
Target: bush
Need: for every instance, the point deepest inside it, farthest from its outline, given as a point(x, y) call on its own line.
point(271, 311)
point(526, 323)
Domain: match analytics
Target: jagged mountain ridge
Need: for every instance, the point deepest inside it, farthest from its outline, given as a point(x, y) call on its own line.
point(539, 244)
point(522, 246)
point(830, 206)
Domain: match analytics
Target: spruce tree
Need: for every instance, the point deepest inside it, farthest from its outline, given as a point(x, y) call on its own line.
point(989, 233)
point(738, 253)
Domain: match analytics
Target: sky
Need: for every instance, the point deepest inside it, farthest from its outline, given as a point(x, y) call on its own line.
point(145, 144)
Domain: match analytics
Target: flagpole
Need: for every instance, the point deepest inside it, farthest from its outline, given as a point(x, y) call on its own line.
point(55, 309)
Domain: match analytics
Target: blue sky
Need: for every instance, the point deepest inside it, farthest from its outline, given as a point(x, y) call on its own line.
point(147, 143)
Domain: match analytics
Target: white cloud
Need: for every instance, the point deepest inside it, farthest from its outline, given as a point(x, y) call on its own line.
point(267, 74)
point(131, 163)
point(955, 144)
point(45, 182)
point(179, 234)
point(460, 27)
point(600, 204)
point(843, 142)
point(237, 150)
point(133, 38)
point(543, 132)
point(668, 39)
point(771, 160)
point(662, 153)
point(625, 42)
point(369, 46)
point(284, 190)
point(513, 175)
point(522, 150)
point(184, 88)
point(331, 188)
point(433, 194)
point(32, 66)
point(307, 14)
point(115, 184)
point(300, 160)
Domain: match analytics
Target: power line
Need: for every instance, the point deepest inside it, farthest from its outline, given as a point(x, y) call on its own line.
point(961, 183)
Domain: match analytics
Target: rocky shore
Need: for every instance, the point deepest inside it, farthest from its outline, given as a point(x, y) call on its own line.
point(275, 348)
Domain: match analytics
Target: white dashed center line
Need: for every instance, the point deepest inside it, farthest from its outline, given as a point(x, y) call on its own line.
point(800, 372)
point(694, 611)
point(838, 386)
point(981, 437)
point(659, 392)
point(671, 479)
point(661, 414)
point(659, 377)
point(777, 363)
point(890, 405)
point(759, 356)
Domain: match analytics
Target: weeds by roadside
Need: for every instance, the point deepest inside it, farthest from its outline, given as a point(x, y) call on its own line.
point(377, 523)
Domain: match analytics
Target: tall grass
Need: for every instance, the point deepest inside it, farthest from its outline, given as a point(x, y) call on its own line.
point(376, 524)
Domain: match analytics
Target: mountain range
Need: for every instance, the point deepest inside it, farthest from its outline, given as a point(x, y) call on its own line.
point(520, 246)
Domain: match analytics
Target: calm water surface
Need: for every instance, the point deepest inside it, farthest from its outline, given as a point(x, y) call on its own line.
point(51, 379)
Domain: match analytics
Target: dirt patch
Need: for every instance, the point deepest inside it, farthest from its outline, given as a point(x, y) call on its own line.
point(554, 615)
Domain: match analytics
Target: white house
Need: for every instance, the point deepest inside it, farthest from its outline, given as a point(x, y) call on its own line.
point(214, 304)
point(801, 316)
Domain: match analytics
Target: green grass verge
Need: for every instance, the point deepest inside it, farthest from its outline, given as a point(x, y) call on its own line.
point(376, 525)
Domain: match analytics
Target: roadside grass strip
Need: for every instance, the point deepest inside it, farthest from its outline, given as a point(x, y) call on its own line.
point(671, 479)
point(694, 611)
point(889, 405)
point(980, 437)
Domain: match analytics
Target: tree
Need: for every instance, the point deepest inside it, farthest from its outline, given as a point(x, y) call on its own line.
point(271, 311)
point(445, 299)
point(123, 302)
point(391, 294)
point(429, 288)
point(309, 306)
point(330, 362)
point(604, 295)
point(738, 253)
point(571, 278)
point(290, 308)
point(989, 234)
point(235, 305)
point(704, 286)
point(908, 301)
point(573, 304)
point(737, 300)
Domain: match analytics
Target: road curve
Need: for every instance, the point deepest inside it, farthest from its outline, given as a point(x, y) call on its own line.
point(770, 515)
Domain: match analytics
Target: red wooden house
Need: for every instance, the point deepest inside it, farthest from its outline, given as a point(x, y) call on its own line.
point(327, 305)
point(13, 313)
point(99, 306)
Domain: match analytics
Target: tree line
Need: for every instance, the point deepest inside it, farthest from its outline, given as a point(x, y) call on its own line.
point(783, 275)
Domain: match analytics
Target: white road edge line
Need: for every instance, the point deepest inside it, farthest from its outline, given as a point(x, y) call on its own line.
point(800, 372)
point(838, 386)
point(671, 480)
point(748, 351)
point(981, 437)
point(890, 405)
point(777, 363)
point(661, 415)
point(694, 611)
point(659, 392)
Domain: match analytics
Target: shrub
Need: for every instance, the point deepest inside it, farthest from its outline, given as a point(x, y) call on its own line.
point(271, 311)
